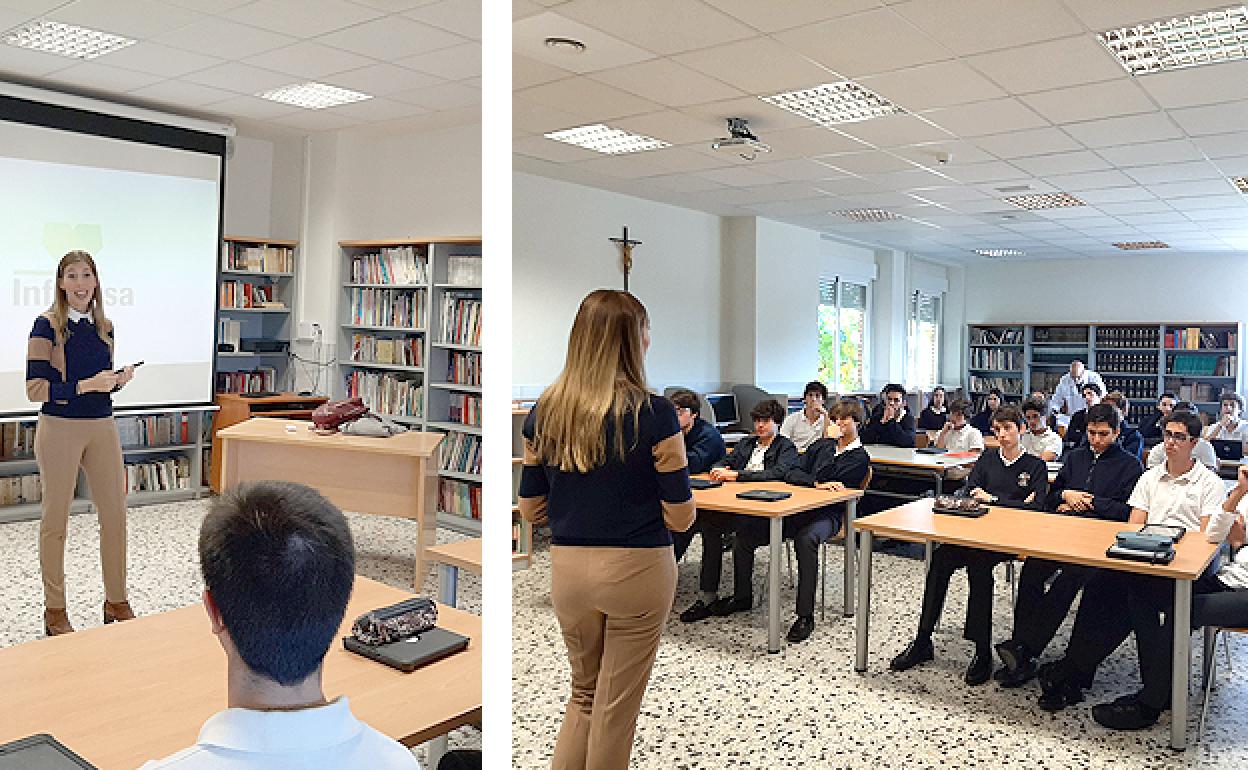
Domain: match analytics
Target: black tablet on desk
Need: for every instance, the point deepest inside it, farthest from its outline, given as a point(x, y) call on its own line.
point(1227, 449)
point(766, 495)
point(410, 654)
point(704, 484)
point(40, 752)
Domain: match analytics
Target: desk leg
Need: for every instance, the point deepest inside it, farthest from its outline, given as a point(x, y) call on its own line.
point(1181, 665)
point(864, 603)
point(448, 584)
point(773, 586)
point(435, 749)
point(851, 555)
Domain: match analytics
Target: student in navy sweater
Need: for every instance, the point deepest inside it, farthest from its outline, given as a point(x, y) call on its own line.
point(1092, 394)
point(935, 414)
point(1150, 426)
point(983, 419)
point(1007, 476)
point(69, 369)
point(1128, 437)
point(890, 423)
point(703, 448)
point(1096, 481)
point(604, 465)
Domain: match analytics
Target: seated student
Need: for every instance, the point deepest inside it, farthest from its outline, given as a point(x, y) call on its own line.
point(278, 566)
point(1050, 418)
point(836, 462)
point(1128, 436)
point(1150, 426)
point(1230, 425)
point(934, 414)
point(982, 421)
point(703, 448)
point(890, 423)
point(1095, 481)
point(1203, 452)
point(1092, 394)
point(1179, 493)
point(1006, 476)
point(959, 436)
point(809, 423)
point(764, 455)
point(1039, 439)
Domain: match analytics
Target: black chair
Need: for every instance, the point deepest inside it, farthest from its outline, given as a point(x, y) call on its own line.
point(1218, 613)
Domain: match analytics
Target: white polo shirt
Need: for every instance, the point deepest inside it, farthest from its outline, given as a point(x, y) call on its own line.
point(1202, 453)
point(965, 439)
point(1181, 501)
point(1219, 431)
point(327, 737)
point(1048, 441)
point(802, 431)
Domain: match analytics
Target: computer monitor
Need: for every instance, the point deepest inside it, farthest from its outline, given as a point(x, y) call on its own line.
point(725, 407)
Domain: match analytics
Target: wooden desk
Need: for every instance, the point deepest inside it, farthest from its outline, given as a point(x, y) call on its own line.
point(1068, 539)
point(395, 476)
point(125, 693)
point(451, 558)
point(234, 408)
point(724, 499)
point(909, 462)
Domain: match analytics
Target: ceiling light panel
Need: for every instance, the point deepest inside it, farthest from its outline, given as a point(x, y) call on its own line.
point(1044, 201)
point(831, 104)
point(999, 253)
point(1140, 245)
point(868, 215)
point(1241, 183)
point(607, 140)
point(65, 39)
point(313, 96)
point(1170, 44)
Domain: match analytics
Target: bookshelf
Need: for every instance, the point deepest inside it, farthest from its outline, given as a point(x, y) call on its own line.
point(255, 293)
point(409, 345)
point(521, 530)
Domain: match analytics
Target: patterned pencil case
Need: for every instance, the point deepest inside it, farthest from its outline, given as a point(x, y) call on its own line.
point(396, 622)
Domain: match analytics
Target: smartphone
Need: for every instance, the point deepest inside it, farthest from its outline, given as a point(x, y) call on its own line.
point(136, 365)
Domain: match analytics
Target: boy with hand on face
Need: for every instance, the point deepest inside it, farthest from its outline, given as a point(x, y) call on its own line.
point(808, 424)
point(890, 423)
point(1230, 425)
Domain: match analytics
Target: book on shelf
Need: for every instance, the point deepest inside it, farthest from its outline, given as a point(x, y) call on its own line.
point(402, 265)
point(996, 336)
point(257, 258)
point(1193, 338)
point(388, 307)
point(151, 430)
point(17, 440)
point(372, 349)
point(387, 393)
point(1196, 391)
point(1206, 365)
point(20, 489)
point(230, 333)
point(1013, 385)
point(242, 295)
point(463, 270)
point(461, 453)
point(460, 498)
point(996, 358)
point(258, 380)
point(463, 368)
point(464, 409)
point(159, 475)
point(461, 320)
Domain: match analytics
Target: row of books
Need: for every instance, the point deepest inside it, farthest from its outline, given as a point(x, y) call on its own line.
point(1195, 391)
point(461, 453)
point(159, 475)
point(463, 271)
point(1208, 366)
point(241, 294)
point(371, 349)
point(16, 490)
point(1134, 337)
point(1006, 384)
point(996, 336)
point(459, 498)
point(388, 307)
point(1192, 338)
point(463, 368)
point(257, 259)
point(465, 409)
point(1135, 363)
point(387, 393)
point(461, 320)
point(1133, 387)
point(262, 379)
point(1045, 381)
point(996, 358)
point(17, 440)
point(401, 265)
point(1075, 335)
point(155, 430)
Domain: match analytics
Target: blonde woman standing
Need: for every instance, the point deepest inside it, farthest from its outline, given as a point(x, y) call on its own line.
point(69, 369)
point(605, 467)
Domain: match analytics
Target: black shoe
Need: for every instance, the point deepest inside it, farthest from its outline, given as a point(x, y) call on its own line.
point(801, 629)
point(699, 610)
point(1059, 686)
point(1012, 654)
point(1017, 677)
point(1132, 715)
point(727, 606)
point(920, 650)
point(980, 670)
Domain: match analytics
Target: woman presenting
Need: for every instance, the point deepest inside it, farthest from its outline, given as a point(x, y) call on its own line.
point(605, 466)
point(69, 369)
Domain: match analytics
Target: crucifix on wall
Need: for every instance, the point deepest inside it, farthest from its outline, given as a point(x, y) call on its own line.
point(626, 253)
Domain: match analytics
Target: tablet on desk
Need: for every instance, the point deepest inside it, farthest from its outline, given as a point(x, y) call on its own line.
point(1227, 449)
point(40, 752)
point(410, 654)
point(765, 495)
point(704, 484)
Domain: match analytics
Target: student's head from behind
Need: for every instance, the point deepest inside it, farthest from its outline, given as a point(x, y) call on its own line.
point(1007, 423)
point(1118, 399)
point(937, 399)
point(1104, 422)
point(687, 409)
point(278, 565)
point(1166, 402)
point(1034, 412)
point(1091, 393)
point(894, 395)
point(767, 416)
point(1180, 431)
point(1076, 369)
point(959, 410)
point(995, 399)
point(848, 416)
point(1232, 404)
point(815, 394)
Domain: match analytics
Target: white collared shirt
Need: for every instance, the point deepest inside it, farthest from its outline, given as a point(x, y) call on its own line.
point(855, 444)
point(328, 737)
point(1181, 501)
point(1048, 441)
point(1218, 430)
point(755, 463)
point(1069, 391)
point(965, 439)
point(75, 316)
point(1202, 453)
point(802, 431)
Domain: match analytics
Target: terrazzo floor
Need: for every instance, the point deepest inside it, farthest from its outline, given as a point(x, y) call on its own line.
point(718, 700)
point(164, 571)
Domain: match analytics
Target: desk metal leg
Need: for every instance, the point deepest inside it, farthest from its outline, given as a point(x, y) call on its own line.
point(864, 603)
point(851, 555)
point(1181, 665)
point(448, 584)
point(435, 749)
point(773, 586)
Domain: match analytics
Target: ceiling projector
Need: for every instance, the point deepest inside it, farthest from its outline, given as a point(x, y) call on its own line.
point(740, 140)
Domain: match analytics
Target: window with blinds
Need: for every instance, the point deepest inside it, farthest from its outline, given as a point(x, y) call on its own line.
point(842, 335)
point(923, 340)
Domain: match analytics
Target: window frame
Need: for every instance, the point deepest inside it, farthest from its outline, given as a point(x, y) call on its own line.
point(837, 282)
point(913, 336)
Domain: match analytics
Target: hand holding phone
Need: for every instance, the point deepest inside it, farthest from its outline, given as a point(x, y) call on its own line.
point(124, 375)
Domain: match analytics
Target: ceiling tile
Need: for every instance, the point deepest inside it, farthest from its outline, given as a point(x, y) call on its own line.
point(667, 26)
point(1214, 200)
point(666, 82)
point(1089, 102)
point(683, 183)
point(1174, 172)
point(783, 191)
point(943, 84)
point(161, 60)
point(377, 110)
point(1101, 15)
point(848, 186)
point(797, 207)
point(1062, 163)
point(391, 38)
point(455, 63)
point(1223, 145)
point(738, 176)
point(445, 96)
point(454, 15)
point(853, 45)
point(224, 38)
point(534, 118)
point(595, 101)
point(522, 9)
point(293, 17)
point(1237, 214)
point(550, 150)
point(949, 194)
point(239, 78)
point(894, 131)
point(631, 166)
point(396, 6)
point(739, 64)
point(1061, 63)
point(976, 173)
point(692, 159)
point(1110, 132)
point(1148, 153)
point(673, 127)
point(1201, 187)
point(1197, 85)
point(871, 162)
point(382, 79)
point(910, 179)
point(1089, 180)
point(772, 17)
point(808, 143)
point(764, 118)
point(309, 60)
point(140, 19)
point(315, 120)
point(1115, 195)
point(32, 8)
point(526, 72)
point(104, 78)
point(1034, 141)
point(799, 169)
point(182, 94)
point(960, 154)
point(1236, 166)
point(1212, 119)
point(602, 51)
point(1123, 210)
point(1156, 216)
point(983, 118)
point(252, 107)
point(972, 26)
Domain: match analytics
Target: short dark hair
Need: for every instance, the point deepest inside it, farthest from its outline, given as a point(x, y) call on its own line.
point(1189, 421)
point(1092, 386)
point(939, 388)
point(893, 387)
point(1230, 395)
point(1184, 406)
point(279, 561)
point(848, 407)
point(1106, 413)
point(1120, 400)
point(1168, 395)
point(1035, 405)
point(686, 399)
point(769, 409)
point(997, 392)
point(815, 386)
point(960, 406)
point(1008, 413)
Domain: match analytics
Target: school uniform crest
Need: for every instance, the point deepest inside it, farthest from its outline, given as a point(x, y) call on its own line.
point(1024, 479)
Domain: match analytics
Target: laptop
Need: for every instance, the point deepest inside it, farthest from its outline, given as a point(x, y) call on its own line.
point(412, 653)
point(1228, 449)
point(40, 752)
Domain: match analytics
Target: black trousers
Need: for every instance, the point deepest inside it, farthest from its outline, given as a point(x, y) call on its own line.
point(808, 530)
point(1040, 612)
point(946, 560)
point(714, 526)
point(1150, 603)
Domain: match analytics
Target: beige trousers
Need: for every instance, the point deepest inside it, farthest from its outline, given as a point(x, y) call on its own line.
point(62, 445)
point(612, 604)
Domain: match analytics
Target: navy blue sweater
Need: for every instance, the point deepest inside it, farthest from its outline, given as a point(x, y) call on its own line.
point(85, 355)
point(820, 463)
point(894, 432)
point(781, 457)
point(1028, 476)
point(1110, 478)
point(703, 446)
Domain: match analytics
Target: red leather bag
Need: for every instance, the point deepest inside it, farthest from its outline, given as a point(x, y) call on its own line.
point(333, 414)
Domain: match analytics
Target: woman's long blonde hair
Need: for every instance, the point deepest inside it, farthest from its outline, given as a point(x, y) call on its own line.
point(604, 376)
point(59, 312)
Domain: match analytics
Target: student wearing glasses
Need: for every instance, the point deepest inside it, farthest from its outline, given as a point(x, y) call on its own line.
point(704, 447)
point(808, 424)
point(1202, 452)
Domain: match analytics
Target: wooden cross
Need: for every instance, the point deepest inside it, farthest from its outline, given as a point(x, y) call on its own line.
point(626, 253)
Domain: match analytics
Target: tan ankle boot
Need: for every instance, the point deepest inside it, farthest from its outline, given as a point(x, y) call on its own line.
point(56, 622)
point(117, 611)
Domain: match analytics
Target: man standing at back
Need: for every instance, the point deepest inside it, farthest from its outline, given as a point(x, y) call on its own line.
point(278, 564)
point(1068, 398)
